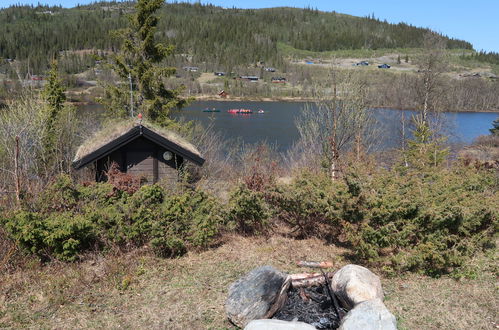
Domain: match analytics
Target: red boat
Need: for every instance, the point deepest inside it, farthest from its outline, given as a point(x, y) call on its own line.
point(243, 111)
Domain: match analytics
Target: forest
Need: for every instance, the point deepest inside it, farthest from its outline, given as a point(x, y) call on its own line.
point(205, 33)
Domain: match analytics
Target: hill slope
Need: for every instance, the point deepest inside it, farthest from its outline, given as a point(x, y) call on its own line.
point(208, 33)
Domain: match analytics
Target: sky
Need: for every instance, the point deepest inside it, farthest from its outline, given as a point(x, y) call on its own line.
point(476, 21)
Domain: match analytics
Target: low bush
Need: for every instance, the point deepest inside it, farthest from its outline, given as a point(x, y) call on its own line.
point(248, 211)
point(430, 222)
point(311, 205)
point(60, 235)
point(80, 218)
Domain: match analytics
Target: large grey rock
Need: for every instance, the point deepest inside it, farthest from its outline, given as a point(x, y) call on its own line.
point(251, 296)
point(278, 325)
point(354, 284)
point(369, 315)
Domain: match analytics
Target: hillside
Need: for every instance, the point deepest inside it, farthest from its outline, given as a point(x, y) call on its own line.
point(206, 33)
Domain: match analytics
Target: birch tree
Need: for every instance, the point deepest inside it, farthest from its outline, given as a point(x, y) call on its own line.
point(338, 121)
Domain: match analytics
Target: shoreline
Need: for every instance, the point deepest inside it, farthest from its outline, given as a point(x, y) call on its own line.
point(289, 99)
point(304, 100)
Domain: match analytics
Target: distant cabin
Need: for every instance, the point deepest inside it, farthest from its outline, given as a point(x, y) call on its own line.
point(277, 80)
point(219, 74)
point(149, 153)
point(191, 68)
point(249, 78)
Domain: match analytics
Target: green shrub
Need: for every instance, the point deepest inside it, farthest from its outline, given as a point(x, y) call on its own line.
point(83, 217)
point(312, 205)
point(61, 195)
point(190, 219)
point(430, 222)
point(248, 211)
point(61, 235)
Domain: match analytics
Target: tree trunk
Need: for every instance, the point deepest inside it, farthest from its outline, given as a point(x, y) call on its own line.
point(16, 172)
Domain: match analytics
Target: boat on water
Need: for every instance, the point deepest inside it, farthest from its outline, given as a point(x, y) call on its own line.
point(240, 111)
point(261, 111)
point(211, 110)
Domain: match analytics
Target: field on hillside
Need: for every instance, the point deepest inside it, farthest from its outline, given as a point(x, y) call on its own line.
point(136, 290)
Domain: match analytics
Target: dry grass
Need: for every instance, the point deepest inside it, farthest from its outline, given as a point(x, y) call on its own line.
point(140, 291)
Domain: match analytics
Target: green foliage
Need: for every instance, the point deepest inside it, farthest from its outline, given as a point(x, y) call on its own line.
point(70, 219)
point(60, 235)
point(482, 56)
point(138, 63)
point(223, 37)
point(57, 135)
point(429, 223)
point(53, 93)
point(248, 210)
point(311, 205)
point(61, 195)
point(426, 148)
point(495, 127)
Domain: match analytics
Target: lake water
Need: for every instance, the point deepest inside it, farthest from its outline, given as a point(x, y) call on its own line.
point(277, 124)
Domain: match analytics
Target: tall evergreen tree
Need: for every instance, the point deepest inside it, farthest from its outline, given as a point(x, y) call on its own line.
point(138, 66)
point(53, 94)
point(495, 127)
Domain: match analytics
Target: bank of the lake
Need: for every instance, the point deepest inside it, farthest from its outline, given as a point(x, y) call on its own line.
point(214, 98)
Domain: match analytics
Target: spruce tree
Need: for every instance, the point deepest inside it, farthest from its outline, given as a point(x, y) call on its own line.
point(495, 127)
point(138, 66)
point(54, 97)
point(425, 149)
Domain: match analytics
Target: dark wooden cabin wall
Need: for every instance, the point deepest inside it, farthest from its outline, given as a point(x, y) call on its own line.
point(142, 158)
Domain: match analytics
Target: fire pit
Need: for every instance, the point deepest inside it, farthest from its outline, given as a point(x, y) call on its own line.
point(312, 305)
point(313, 299)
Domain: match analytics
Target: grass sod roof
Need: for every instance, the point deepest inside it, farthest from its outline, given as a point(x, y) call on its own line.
point(107, 136)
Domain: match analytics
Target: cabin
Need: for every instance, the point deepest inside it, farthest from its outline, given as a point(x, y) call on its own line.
point(269, 69)
point(277, 80)
point(249, 78)
point(191, 68)
point(150, 153)
point(219, 73)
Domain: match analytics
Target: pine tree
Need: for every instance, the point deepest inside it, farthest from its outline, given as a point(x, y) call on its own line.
point(53, 94)
point(495, 127)
point(138, 66)
point(425, 149)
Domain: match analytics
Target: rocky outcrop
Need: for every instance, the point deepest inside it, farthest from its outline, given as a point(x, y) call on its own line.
point(354, 284)
point(369, 315)
point(251, 296)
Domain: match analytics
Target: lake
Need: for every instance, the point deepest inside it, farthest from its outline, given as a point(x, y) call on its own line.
point(277, 124)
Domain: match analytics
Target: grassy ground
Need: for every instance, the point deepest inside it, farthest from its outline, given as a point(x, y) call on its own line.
point(140, 291)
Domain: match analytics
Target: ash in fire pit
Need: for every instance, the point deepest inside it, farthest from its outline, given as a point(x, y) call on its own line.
point(312, 305)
